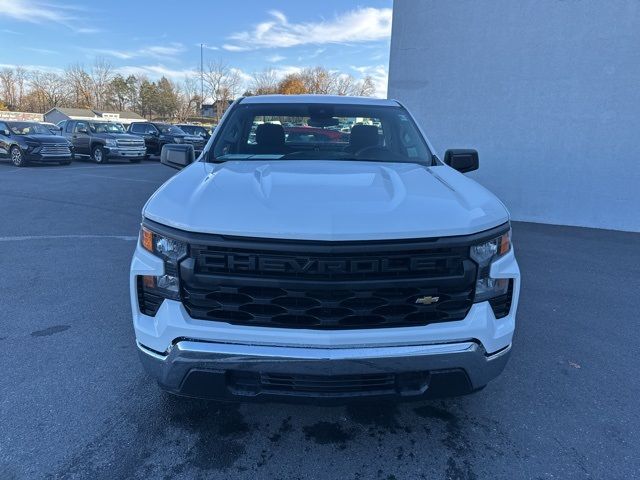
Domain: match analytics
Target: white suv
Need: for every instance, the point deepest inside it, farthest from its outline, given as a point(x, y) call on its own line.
point(319, 249)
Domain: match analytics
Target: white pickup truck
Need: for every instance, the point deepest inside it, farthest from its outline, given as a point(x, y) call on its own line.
point(318, 249)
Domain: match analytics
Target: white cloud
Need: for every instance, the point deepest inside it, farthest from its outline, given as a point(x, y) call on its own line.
point(355, 26)
point(156, 71)
point(33, 68)
point(35, 11)
point(275, 58)
point(155, 51)
point(380, 76)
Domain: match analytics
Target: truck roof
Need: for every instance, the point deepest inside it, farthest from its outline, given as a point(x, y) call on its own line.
point(335, 99)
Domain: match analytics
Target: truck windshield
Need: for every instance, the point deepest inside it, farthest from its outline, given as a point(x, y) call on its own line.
point(167, 129)
point(106, 128)
point(28, 128)
point(320, 132)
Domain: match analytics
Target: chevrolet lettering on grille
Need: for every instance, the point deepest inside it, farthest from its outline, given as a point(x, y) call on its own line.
point(316, 266)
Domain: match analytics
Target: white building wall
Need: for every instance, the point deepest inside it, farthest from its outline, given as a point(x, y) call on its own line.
point(548, 91)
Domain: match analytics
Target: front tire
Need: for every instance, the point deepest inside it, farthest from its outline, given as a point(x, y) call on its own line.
point(98, 154)
point(17, 157)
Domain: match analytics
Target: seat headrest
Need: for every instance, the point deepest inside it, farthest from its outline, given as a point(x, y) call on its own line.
point(270, 134)
point(363, 136)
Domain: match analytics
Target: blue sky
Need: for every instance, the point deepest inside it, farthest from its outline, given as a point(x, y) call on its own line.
point(162, 38)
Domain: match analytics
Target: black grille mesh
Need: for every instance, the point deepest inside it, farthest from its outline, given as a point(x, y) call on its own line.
point(502, 305)
point(148, 302)
point(408, 285)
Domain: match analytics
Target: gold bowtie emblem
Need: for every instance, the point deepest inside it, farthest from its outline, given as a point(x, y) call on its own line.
point(427, 300)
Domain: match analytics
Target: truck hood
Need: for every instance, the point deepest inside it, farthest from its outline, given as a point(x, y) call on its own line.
point(324, 200)
point(49, 139)
point(116, 136)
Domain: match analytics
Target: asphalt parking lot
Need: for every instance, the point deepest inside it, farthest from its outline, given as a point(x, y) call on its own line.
point(75, 403)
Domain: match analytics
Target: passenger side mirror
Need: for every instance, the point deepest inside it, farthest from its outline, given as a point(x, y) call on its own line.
point(177, 156)
point(462, 160)
point(4, 132)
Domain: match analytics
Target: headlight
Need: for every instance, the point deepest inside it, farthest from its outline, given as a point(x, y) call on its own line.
point(484, 254)
point(171, 251)
point(31, 146)
point(111, 142)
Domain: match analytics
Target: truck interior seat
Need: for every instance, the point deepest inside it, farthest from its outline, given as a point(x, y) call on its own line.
point(362, 136)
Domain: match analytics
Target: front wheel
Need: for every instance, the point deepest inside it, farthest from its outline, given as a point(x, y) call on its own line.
point(98, 155)
point(17, 157)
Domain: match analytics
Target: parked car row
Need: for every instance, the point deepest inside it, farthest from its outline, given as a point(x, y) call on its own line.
point(100, 141)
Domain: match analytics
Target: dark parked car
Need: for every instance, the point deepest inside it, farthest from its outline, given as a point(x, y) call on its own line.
point(102, 141)
point(197, 130)
point(156, 135)
point(24, 142)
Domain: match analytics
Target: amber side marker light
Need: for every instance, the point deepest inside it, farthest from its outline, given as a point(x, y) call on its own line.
point(146, 238)
point(505, 243)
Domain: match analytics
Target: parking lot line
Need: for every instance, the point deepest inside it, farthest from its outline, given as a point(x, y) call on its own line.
point(119, 178)
point(67, 169)
point(20, 238)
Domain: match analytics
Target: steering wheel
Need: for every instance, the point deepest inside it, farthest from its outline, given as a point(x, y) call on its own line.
point(371, 149)
point(377, 151)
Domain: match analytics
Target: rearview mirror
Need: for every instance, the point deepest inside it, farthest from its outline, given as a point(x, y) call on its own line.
point(462, 160)
point(177, 156)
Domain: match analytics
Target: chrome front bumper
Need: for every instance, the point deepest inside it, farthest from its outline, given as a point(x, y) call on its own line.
point(176, 370)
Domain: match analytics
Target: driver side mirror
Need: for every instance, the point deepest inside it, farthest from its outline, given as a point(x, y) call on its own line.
point(462, 160)
point(4, 132)
point(177, 156)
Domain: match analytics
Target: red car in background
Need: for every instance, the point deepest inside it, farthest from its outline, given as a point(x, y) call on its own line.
point(314, 135)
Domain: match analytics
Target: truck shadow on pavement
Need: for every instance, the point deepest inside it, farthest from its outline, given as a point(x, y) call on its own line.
point(186, 438)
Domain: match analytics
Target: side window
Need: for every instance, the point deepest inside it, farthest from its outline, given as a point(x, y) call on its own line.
point(137, 128)
point(80, 126)
point(150, 129)
point(3, 126)
point(62, 125)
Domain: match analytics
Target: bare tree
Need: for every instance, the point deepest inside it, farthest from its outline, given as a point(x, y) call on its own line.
point(101, 76)
point(365, 88)
point(345, 85)
point(319, 80)
point(223, 84)
point(7, 87)
point(265, 82)
point(13, 87)
point(80, 84)
point(48, 90)
point(189, 100)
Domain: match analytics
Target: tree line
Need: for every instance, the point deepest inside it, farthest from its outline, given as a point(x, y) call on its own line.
point(101, 87)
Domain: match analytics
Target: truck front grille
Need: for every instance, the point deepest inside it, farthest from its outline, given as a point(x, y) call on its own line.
point(346, 285)
point(327, 308)
point(130, 143)
point(55, 149)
